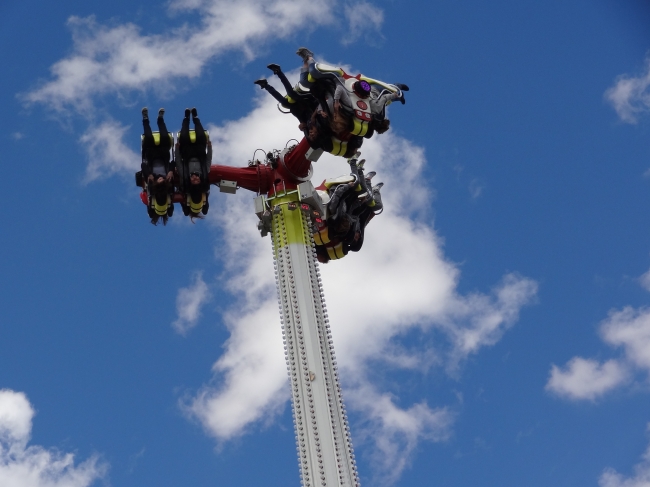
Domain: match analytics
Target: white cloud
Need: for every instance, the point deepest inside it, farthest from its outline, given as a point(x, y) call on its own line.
point(644, 280)
point(630, 329)
point(189, 301)
point(630, 96)
point(15, 417)
point(586, 379)
point(120, 58)
point(611, 478)
point(107, 152)
point(363, 18)
point(17, 135)
point(582, 378)
point(393, 432)
point(399, 282)
point(34, 466)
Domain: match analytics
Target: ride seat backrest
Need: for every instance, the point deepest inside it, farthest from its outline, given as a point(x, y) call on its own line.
point(193, 136)
point(329, 183)
point(156, 138)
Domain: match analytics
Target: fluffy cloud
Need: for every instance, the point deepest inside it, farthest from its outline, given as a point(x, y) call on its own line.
point(34, 466)
point(630, 96)
point(364, 18)
point(107, 152)
point(399, 283)
point(586, 379)
point(628, 329)
point(189, 301)
point(393, 432)
point(120, 59)
point(611, 478)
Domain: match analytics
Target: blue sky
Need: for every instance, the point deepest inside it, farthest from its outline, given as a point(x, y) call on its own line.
point(494, 329)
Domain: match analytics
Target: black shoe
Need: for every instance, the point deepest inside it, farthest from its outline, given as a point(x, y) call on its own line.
point(194, 113)
point(262, 82)
point(275, 68)
point(402, 86)
point(187, 113)
point(145, 113)
point(401, 97)
point(161, 113)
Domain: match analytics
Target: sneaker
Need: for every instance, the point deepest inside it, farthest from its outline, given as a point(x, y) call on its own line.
point(194, 113)
point(353, 159)
point(262, 82)
point(145, 113)
point(304, 53)
point(275, 68)
point(187, 113)
point(402, 86)
point(161, 113)
point(371, 175)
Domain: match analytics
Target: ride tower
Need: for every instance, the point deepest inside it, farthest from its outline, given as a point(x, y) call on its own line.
point(290, 210)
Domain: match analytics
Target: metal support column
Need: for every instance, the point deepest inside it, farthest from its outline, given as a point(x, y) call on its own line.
point(323, 437)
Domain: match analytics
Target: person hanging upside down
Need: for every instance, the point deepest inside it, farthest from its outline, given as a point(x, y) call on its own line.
point(157, 172)
point(352, 202)
point(355, 105)
point(313, 124)
point(195, 150)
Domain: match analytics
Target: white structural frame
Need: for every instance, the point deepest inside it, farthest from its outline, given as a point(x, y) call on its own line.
point(323, 440)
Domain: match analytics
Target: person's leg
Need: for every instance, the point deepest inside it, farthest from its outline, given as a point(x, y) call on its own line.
point(184, 137)
point(184, 143)
point(202, 144)
point(264, 84)
point(201, 139)
point(148, 134)
point(283, 78)
point(147, 143)
point(162, 128)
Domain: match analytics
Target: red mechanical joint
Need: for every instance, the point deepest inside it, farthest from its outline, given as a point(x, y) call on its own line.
point(258, 178)
point(295, 166)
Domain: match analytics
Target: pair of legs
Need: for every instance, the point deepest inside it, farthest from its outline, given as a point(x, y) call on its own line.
point(193, 177)
point(184, 137)
point(155, 157)
point(150, 150)
point(300, 106)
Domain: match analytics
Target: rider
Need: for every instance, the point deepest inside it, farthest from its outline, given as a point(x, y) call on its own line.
point(353, 202)
point(196, 155)
point(355, 105)
point(313, 123)
point(157, 168)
